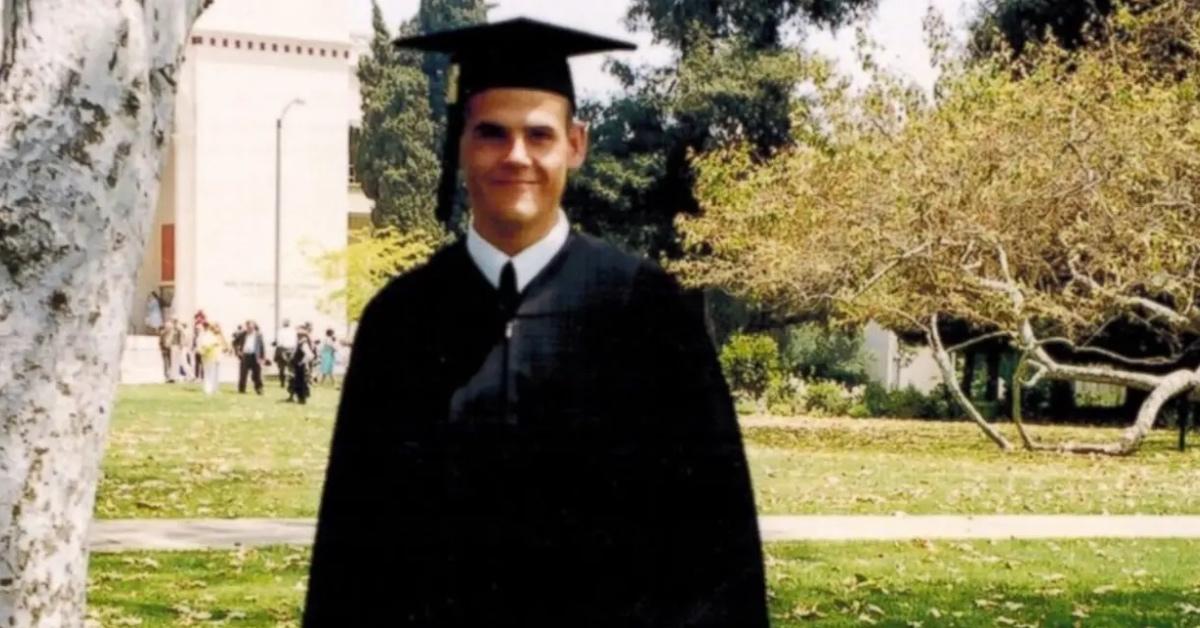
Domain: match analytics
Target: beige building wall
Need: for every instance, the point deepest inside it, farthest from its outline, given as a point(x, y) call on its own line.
point(245, 62)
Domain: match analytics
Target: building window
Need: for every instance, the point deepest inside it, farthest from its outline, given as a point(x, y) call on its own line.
point(355, 137)
point(168, 253)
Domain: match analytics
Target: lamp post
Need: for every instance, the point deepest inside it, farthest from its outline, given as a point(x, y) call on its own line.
point(278, 197)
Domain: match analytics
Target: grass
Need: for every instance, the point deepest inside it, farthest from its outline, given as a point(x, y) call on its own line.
point(175, 453)
point(876, 466)
point(172, 452)
point(1092, 583)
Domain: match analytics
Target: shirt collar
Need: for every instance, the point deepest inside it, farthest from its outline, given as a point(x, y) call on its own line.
point(527, 264)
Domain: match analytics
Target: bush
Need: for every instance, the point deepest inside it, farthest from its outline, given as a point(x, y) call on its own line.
point(827, 398)
point(877, 400)
point(908, 403)
point(783, 398)
point(815, 352)
point(749, 362)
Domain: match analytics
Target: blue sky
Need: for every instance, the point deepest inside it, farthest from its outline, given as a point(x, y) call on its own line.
point(896, 26)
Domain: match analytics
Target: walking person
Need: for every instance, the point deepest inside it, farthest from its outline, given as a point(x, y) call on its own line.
point(251, 354)
point(328, 353)
point(302, 357)
point(210, 345)
point(199, 327)
point(187, 359)
point(164, 347)
point(285, 342)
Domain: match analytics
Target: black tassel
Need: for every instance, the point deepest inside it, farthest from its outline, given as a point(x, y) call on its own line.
point(448, 187)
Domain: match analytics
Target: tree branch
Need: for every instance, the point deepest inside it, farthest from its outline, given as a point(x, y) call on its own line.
point(981, 339)
point(946, 363)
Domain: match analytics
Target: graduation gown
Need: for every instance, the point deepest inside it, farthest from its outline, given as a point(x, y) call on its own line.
point(577, 463)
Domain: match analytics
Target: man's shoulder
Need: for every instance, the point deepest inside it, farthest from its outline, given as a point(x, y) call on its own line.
point(602, 256)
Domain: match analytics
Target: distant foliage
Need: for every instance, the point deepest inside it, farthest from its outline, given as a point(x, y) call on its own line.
point(812, 351)
point(368, 263)
point(749, 363)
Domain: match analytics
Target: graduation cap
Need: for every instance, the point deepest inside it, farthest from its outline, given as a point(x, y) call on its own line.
point(519, 53)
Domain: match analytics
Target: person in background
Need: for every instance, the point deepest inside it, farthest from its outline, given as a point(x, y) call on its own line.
point(239, 336)
point(200, 324)
point(187, 342)
point(210, 345)
point(302, 357)
point(164, 347)
point(251, 353)
point(285, 342)
point(328, 353)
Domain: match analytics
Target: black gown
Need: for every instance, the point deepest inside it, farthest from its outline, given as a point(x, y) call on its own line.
point(576, 465)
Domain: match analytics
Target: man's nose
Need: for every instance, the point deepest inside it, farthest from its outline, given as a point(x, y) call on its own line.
point(518, 152)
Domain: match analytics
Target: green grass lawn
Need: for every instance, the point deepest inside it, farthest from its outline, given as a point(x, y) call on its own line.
point(174, 453)
point(1090, 583)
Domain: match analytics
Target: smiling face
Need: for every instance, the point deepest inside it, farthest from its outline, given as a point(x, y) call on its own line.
point(516, 149)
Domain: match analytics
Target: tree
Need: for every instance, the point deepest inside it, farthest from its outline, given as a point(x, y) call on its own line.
point(363, 268)
point(86, 106)
point(1042, 204)
point(395, 156)
point(732, 80)
point(1011, 24)
point(440, 15)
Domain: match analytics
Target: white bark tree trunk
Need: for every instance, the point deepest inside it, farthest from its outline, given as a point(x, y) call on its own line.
point(86, 101)
point(945, 362)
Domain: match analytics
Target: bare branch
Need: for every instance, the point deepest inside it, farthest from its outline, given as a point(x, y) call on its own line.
point(974, 341)
point(1096, 374)
point(946, 364)
point(1112, 355)
point(889, 267)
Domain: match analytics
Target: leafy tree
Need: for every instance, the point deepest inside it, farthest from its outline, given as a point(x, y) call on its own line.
point(1011, 24)
point(371, 260)
point(732, 80)
point(394, 157)
point(1043, 207)
point(439, 15)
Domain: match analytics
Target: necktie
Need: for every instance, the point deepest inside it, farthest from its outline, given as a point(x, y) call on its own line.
point(508, 290)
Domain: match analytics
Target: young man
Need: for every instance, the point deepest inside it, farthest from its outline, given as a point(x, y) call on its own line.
point(251, 352)
point(533, 430)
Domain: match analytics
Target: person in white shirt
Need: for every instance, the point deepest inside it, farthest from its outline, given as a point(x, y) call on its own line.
point(285, 343)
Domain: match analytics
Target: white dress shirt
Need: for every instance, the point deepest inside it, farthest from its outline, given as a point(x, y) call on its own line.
point(527, 264)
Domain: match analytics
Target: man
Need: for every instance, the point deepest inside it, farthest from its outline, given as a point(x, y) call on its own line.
point(285, 343)
point(534, 430)
point(239, 337)
point(251, 352)
point(167, 337)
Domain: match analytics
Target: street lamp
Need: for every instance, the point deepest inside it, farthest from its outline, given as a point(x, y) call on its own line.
point(278, 196)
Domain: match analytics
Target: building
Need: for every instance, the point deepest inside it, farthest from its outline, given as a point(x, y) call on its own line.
point(895, 365)
point(212, 246)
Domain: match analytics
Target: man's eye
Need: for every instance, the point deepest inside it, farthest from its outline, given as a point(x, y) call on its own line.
point(541, 135)
point(489, 132)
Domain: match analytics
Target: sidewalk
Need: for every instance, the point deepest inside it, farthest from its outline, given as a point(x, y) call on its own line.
point(219, 534)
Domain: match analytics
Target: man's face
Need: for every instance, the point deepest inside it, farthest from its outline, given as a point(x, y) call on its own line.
point(517, 146)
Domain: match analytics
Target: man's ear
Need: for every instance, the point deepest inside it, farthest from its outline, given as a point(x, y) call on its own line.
point(577, 137)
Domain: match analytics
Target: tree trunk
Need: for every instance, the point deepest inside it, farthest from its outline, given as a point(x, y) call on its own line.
point(946, 363)
point(86, 102)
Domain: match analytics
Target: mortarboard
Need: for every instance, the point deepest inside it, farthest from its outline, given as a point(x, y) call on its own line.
point(519, 53)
